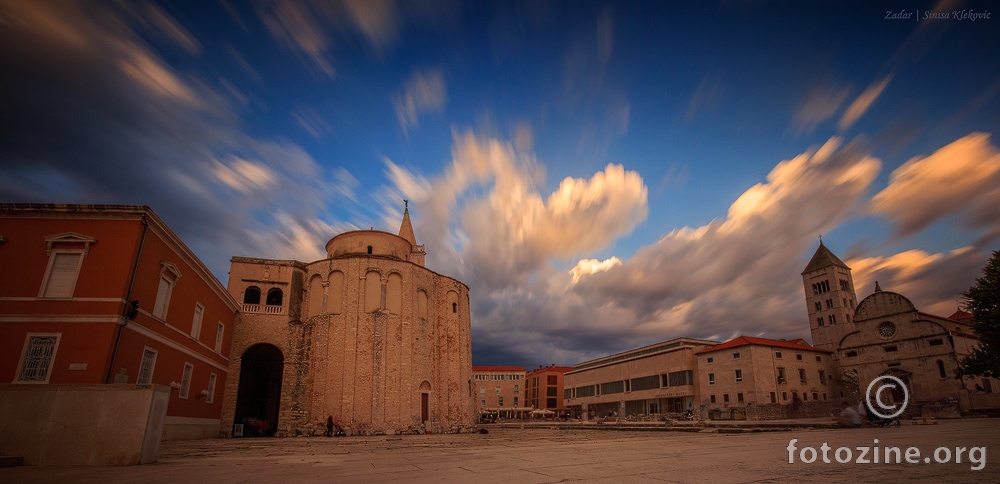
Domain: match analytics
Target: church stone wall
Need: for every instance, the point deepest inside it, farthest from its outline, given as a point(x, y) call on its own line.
point(363, 337)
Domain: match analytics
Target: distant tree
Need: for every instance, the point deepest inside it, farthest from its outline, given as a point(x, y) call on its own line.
point(983, 301)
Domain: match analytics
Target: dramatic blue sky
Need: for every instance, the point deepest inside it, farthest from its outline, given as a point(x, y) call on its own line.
point(602, 175)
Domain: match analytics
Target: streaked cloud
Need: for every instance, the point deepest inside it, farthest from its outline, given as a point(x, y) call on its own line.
point(694, 281)
point(422, 92)
point(819, 105)
point(242, 175)
point(864, 101)
point(123, 126)
point(172, 30)
point(311, 121)
point(378, 20)
point(295, 25)
point(490, 224)
point(961, 178)
point(932, 281)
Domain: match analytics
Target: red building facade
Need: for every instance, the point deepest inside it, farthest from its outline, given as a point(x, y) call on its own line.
point(544, 388)
point(109, 294)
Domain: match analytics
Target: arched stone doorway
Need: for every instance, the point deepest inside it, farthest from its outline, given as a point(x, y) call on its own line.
point(259, 393)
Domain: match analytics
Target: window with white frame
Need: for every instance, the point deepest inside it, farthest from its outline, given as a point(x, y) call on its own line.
point(199, 313)
point(221, 330)
point(37, 356)
point(66, 252)
point(146, 366)
point(186, 381)
point(61, 274)
point(211, 388)
point(169, 274)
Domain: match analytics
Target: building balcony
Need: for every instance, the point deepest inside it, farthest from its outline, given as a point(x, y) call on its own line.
point(266, 309)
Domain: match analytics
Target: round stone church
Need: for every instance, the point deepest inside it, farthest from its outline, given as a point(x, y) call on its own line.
point(367, 336)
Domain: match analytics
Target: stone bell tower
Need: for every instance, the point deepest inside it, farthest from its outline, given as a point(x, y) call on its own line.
point(830, 298)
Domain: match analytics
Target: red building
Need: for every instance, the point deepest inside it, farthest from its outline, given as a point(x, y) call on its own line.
point(109, 294)
point(543, 388)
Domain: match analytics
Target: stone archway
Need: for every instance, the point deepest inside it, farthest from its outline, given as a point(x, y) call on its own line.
point(259, 393)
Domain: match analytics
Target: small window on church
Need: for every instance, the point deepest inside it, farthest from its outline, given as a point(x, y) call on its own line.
point(369, 250)
point(454, 307)
point(274, 297)
point(819, 321)
point(941, 370)
point(935, 342)
point(851, 354)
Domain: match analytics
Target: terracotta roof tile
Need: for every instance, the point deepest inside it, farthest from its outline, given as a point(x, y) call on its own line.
point(496, 368)
point(798, 344)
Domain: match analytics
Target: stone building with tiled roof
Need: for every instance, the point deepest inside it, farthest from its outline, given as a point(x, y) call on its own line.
point(756, 378)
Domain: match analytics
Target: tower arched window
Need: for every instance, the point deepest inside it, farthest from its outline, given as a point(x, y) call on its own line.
point(274, 297)
point(251, 295)
point(454, 307)
point(941, 370)
point(369, 250)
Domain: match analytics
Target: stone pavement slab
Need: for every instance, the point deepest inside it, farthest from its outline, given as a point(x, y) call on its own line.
point(547, 455)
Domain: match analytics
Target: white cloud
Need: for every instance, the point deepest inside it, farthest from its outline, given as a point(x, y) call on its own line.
point(423, 92)
point(592, 266)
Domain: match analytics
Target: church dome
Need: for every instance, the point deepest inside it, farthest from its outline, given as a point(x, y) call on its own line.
point(368, 242)
point(882, 304)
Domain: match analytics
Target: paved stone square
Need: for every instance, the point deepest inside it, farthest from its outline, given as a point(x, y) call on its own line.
point(550, 454)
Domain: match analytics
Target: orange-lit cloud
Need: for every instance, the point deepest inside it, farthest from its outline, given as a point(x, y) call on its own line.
point(960, 178)
point(860, 105)
point(487, 207)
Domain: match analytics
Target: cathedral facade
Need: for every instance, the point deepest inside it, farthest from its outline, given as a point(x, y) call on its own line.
point(367, 336)
point(885, 334)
